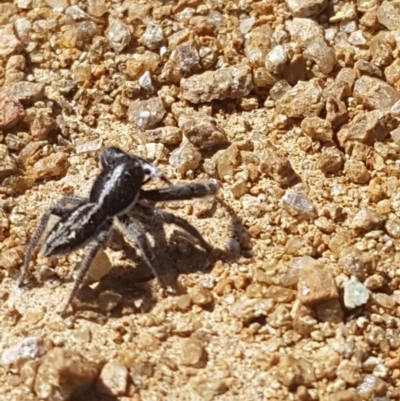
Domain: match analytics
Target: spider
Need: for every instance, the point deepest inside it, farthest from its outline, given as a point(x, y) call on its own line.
point(116, 194)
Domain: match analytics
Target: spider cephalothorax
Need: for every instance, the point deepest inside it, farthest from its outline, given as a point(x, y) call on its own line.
point(115, 194)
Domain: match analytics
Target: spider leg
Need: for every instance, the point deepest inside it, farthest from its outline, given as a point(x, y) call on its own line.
point(59, 209)
point(180, 192)
point(170, 218)
point(135, 233)
point(85, 263)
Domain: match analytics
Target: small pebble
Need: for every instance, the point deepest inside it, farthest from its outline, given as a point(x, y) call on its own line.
point(113, 379)
point(355, 293)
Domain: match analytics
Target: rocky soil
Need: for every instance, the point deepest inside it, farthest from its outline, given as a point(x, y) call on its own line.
point(293, 107)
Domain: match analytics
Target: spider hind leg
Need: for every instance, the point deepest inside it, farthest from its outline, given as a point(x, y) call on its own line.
point(61, 210)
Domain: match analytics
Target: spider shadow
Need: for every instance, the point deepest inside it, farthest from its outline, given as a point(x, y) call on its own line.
point(174, 254)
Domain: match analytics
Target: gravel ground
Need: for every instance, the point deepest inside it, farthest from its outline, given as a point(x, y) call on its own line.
point(293, 107)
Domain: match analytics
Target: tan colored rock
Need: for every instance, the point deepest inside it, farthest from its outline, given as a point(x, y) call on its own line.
point(375, 93)
point(321, 54)
point(367, 127)
point(304, 8)
point(9, 43)
point(64, 374)
point(42, 125)
point(109, 300)
point(257, 45)
point(317, 129)
point(316, 283)
point(356, 171)
point(277, 167)
point(336, 112)
point(303, 100)
point(366, 220)
point(51, 166)
point(113, 379)
point(226, 162)
point(201, 296)
point(11, 111)
point(27, 91)
point(183, 62)
point(356, 263)
point(303, 30)
point(331, 160)
point(201, 130)
point(293, 372)
point(165, 135)
point(233, 83)
point(146, 114)
point(349, 372)
point(7, 163)
point(193, 353)
point(185, 158)
point(388, 15)
point(345, 395)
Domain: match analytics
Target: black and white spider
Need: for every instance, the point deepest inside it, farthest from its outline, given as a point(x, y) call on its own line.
point(116, 194)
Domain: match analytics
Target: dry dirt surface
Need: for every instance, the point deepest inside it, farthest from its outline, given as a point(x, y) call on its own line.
point(293, 108)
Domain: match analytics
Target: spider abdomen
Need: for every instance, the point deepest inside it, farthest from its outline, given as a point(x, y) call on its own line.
point(116, 190)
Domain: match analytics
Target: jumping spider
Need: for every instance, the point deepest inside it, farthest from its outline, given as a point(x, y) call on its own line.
point(116, 194)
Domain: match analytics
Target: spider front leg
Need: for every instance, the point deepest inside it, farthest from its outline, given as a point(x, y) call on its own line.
point(90, 254)
point(180, 192)
point(61, 210)
point(136, 234)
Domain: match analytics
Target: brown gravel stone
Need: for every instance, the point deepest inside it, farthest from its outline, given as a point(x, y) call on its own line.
point(11, 111)
point(113, 379)
point(165, 135)
point(330, 311)
point(293, 372)
point(65, 374)
point(331, 160)
point(9, 43)
point(356, 263)
point(303, 100)
point(185, 158)
point(345, 395)
point(317, 128)
point(336, 112)
point(375, 93)
point(356, 171)
point(27, 91)
point(201, 130)
point(301, 8)
point(277, 167)
point(235, 82)
point(108, 300)
point(7, 163)
point(51, 166)
point(42, 125)
point(193, 353)
point(316, 283)
point(226, 162)
point(201, 296)
point(366, 220)
point(146, 114)
point(366, 127)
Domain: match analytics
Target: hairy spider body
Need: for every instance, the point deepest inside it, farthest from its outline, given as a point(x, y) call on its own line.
point(114, 195)
point(75, 230)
